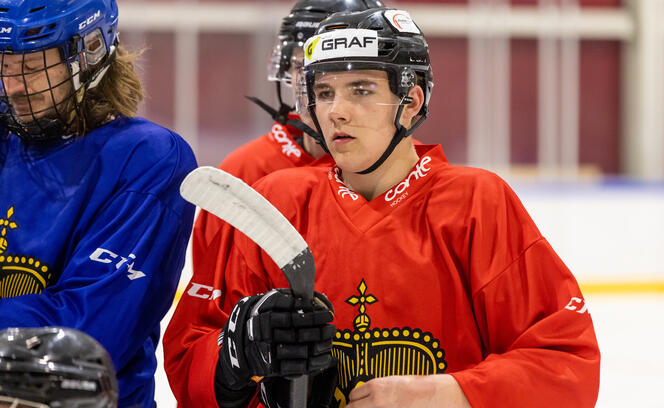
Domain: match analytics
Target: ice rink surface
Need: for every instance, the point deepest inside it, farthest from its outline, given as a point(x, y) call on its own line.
point(630, 331)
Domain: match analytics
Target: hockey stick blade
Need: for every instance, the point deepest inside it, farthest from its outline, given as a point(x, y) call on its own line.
point(232, 200)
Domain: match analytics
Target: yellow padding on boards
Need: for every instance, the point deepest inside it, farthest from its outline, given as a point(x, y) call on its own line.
point(616, 288)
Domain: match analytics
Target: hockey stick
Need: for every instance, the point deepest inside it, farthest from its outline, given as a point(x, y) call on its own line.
point(232, 200)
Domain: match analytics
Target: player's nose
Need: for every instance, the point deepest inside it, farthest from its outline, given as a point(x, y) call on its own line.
point(339, 110)
point(13, 85)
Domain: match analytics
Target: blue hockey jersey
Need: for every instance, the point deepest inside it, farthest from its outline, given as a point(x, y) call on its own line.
point(93, 234)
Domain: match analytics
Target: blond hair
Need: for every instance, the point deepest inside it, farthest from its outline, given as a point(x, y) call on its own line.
point(119, 93)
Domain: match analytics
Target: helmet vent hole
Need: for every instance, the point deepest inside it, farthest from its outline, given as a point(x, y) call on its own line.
point(33, 31)
point(336, 27)
point(3, 9)
point(38, 38)
point(37, 9)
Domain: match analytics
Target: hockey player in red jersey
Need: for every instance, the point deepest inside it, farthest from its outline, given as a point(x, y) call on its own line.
point(445, 293)
point(288, 144)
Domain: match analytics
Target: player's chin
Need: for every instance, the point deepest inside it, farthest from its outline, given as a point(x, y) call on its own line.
point(349, 162)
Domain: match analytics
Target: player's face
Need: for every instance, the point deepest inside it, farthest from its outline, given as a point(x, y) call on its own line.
point(35, 83)
point(356, 112)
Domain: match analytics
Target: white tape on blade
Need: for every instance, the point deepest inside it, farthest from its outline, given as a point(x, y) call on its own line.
point(232, 200)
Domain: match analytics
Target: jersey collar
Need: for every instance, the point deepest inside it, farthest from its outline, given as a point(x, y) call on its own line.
point(364, 214)
point(283, 137)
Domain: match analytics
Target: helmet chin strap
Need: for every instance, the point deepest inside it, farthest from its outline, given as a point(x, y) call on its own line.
point(400, 134)
point(281, 115)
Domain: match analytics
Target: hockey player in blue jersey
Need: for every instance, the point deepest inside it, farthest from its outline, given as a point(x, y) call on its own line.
point(92, 228)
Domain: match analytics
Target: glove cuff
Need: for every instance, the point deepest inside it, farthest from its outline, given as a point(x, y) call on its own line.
point(233, 370)
point(231, 398)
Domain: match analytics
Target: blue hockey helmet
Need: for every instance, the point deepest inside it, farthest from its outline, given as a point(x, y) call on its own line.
point(35, 25)
point(84, 31)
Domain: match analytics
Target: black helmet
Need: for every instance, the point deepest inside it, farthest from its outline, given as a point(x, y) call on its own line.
point(302, 23)
point(296, 28)
point(57, 367)
point(379, 39)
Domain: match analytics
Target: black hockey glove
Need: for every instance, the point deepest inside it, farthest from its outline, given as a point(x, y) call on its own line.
point(275, 391)
point(274, 334)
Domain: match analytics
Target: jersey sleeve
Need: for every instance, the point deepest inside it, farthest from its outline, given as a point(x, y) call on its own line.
point(119, 280)
point(542, 349)
point(191, 347)
point(122, 260)
point(538, 338)
point(191, 341)
point(191, 338)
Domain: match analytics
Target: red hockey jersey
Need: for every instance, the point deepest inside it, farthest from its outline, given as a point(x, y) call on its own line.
point(197, 311)
point(443, 273)
point(273, 151)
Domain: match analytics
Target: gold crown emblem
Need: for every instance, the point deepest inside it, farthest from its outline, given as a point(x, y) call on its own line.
point(19, 275)
point(365, 353)
point(5, 224)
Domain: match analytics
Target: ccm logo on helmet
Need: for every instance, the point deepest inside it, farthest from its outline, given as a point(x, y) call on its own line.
point(89, 20)
point(420, 171)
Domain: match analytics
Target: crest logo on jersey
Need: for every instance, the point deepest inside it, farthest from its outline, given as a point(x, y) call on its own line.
point(6, 224)
point(366, 353)
point(19, 274)
point(280, 135)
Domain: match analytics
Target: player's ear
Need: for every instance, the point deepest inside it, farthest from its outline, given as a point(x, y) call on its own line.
point(411, 110)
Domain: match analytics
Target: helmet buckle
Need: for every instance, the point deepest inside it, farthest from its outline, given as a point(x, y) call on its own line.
point(407, 78)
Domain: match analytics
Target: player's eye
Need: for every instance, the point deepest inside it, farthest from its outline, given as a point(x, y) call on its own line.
point(325, 95)
point(362, 91)
point(30, 67)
